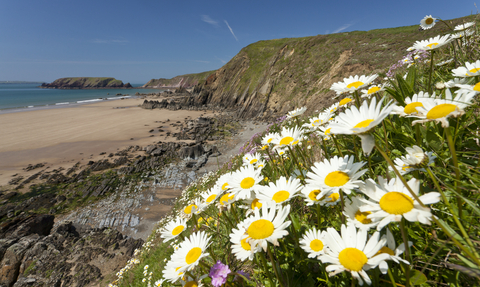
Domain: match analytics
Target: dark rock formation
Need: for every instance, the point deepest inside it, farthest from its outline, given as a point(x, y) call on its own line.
point(34, 254)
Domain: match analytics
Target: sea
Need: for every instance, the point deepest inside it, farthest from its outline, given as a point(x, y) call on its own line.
point(25, 96)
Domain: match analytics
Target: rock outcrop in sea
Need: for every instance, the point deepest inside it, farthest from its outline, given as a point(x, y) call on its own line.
point(86, 83)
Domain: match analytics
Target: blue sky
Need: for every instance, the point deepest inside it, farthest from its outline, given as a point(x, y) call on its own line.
point(135, 41)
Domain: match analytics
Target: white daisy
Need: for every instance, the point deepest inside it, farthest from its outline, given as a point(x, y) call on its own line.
point(173, 229)
point(191, 251)
point(313, 194)
point(325, 117)
point(244, 182)
point(351, 252)
point(427, 22)
point(313, 124)
point(188, 281)
point(372, 91)
point(432, 43)
point(288, 137)
point(415, 159)
point(297, 112)
point(442, 109)
point(212, 194)
point(456, 81)
point(444, 62)
point(158, 283)
point(353, 83)
point(224, 181)
point(172, 271)
point(393, 252)
point(336, 174)
point(325, 132)
point(468, 89)
point(390, 201)
point(313, 242)
point(240, 247)
point(226, 201)
point(251, 159)
point(464, 26)
point(345, 101)
point(355, 216)
point(470, 70)
point(361, 121)
point(194, 207)
point(281, 191)
point(333, 108)
point(268, 138)
point(266, 225)
point(411, 104)
point(462, 34)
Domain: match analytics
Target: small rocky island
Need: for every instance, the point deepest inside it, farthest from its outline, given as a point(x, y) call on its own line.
point(86, 83)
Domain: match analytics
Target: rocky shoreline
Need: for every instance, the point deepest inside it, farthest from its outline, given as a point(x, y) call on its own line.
point(124, 194)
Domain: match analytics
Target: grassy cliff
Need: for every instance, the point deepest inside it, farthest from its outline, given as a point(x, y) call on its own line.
point(274, 76)
point(186, 81)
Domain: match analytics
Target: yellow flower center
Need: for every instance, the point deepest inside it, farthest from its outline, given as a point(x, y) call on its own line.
point(281, 196)
point(315, 122)
point(395, 202)
point(253, 161)
point(256, 204)
point(440, 111)
point(336, 178)
point(210, 198)
point(193, 255)
point(286, 140)
point(345, 101)
point(313, 194)
point(477, 87)
point(189, 208)
point(247, 182)
point(411, 108)
point(191, 284)
point(355, 84)
point(362, 217)
point(245, 244)
point(385, 249)
point(224, 199)
point(327, 131)
point(429, 21)
point(352, 259)
point(431, 45)
point(260, 229)
point(316, 245)
point(474, 70)
point(269, 140)
point(177, 230)
point(334, 197)
point(373, 90)
point(363, 124)
point(224, 186)
point(405, 167)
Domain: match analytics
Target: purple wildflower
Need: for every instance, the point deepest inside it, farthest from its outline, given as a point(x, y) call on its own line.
point(219, 273)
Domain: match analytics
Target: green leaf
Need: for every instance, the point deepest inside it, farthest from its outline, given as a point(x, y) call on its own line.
point(296, 223)
point(417, 277)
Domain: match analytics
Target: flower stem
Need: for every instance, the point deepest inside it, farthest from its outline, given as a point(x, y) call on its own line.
point(391, 277)
point(451, 145)
point(336, 144)
point(277, 272)
point(265, 268)
point(407, 250)
point(429, 86)
point(319, 212)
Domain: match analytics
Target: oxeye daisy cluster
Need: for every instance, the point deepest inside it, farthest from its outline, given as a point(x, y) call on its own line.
point(374, 189)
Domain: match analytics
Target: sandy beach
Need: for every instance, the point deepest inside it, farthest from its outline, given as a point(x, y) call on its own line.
point(63, 136)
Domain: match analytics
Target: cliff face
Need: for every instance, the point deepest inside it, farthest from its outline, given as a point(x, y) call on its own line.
point(272, 77)
point(86, 83)
point(185, 81)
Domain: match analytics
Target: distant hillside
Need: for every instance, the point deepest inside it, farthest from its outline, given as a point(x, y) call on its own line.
point(186, 81)
point(86, 83)
point(272, 77)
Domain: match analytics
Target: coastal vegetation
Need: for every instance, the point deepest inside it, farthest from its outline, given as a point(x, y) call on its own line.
point(85, 83)
point(379, 188)
point(184, 81)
